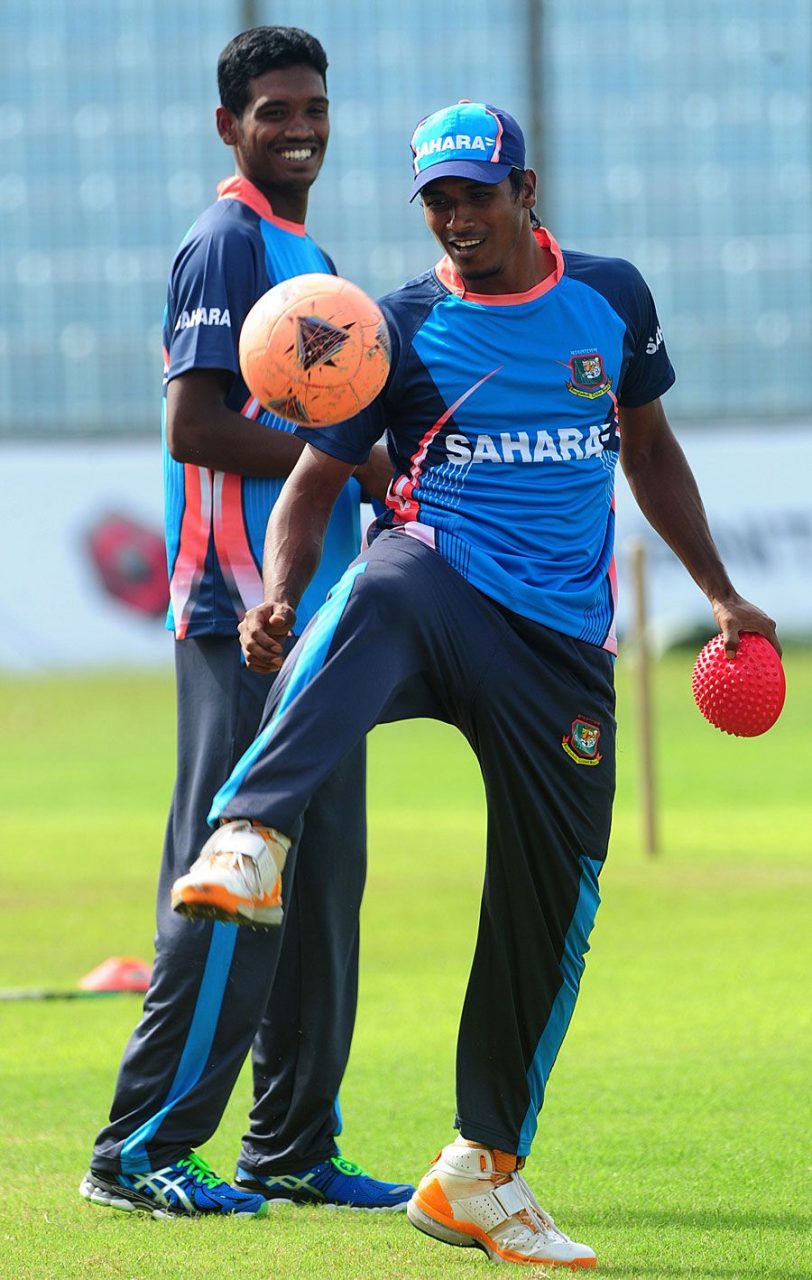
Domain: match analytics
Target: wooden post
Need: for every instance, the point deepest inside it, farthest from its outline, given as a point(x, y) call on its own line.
point(637, 552)
point(249, 15)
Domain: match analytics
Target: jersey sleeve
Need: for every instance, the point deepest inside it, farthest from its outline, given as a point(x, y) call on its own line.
point(214, 283)
point(350, 441)
point(648, 373)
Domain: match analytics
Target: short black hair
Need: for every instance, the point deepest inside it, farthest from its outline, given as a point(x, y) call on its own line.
point(516, 178)
point(261, 49)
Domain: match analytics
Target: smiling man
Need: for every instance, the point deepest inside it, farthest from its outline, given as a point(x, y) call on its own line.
point(520, 373)
point(214, 992)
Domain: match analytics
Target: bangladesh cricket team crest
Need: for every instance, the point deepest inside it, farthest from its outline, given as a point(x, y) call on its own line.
point(581, 743)
point(588, 376)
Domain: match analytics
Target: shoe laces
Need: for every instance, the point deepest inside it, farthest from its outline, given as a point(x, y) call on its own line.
point(244, 863)
point(201, 1172)
point(532, 1215)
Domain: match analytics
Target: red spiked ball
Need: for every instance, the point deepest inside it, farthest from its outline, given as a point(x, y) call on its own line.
point(743, 696)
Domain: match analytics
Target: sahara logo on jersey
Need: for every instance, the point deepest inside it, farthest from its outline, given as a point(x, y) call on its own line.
point(203, 315)
point(653, 344)
point(588, 376)
point(559, 445)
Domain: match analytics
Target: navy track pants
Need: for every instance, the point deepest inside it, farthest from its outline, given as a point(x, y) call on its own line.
point(218, 991)
point(404, 635)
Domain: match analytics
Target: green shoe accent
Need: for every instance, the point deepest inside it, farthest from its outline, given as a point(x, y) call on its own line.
point(202, 1172)
point(349, 1167)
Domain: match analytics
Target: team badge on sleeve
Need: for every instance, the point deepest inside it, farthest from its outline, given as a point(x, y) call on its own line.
point(581, 743)
point(588, 376)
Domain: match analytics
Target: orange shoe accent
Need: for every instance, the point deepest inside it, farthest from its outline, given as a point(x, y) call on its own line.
point(216, 895)
point(435, 1204)
point(505, 1161)
point(274, 898)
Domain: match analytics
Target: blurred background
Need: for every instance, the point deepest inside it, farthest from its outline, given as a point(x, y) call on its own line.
point(676, 134)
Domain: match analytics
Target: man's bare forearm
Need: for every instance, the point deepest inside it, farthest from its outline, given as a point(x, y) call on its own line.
point(293, 545)
point(203, 431)
point(666, 492)
point(294, 539)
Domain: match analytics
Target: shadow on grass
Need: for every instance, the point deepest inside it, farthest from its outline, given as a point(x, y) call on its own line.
point(712, 1267)
point(710, 1220)
point(713, 1271)
point(726, 1219)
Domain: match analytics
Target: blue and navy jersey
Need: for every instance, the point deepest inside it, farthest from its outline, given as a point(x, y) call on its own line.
point(501, 417)
point(215, 521)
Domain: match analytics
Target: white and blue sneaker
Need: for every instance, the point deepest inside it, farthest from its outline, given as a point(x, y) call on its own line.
point(185, 1189)
point(335, 1183)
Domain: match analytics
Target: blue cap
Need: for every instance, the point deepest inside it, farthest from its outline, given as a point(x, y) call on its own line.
point(468, 140)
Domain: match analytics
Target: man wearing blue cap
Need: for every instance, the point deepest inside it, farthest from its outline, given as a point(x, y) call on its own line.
point(520, 374)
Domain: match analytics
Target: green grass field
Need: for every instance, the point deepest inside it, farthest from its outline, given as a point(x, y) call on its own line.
point(675, 1134)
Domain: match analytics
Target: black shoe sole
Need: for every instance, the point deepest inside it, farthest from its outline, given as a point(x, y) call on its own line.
point(106, 1194)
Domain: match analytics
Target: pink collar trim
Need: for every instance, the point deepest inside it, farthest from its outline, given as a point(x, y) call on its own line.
point(448, 276)
point(242, 189)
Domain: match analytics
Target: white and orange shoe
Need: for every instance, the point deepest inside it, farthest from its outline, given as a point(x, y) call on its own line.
point(237, 877)
point(465, 1200)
